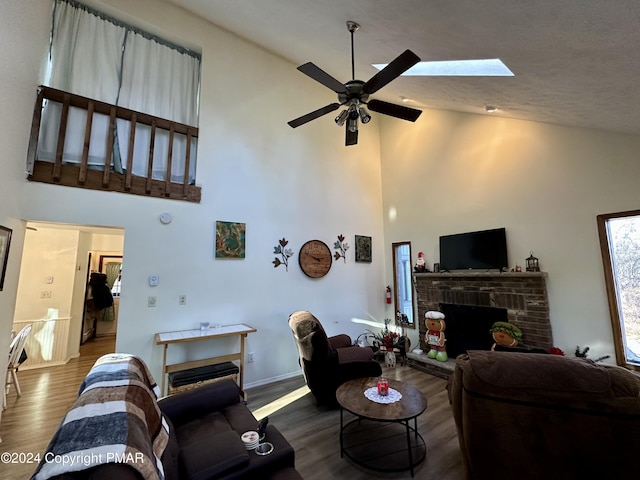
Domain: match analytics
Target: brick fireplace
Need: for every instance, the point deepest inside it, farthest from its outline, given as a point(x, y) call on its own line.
point(523, 295)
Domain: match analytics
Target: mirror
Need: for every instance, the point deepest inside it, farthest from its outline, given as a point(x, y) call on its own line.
point(402, 284)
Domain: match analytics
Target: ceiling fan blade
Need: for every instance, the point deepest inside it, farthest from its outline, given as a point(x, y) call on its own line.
point(398, 111)
point(351, 138)
point(397, 67)
point(313, 115)
point(323, 77)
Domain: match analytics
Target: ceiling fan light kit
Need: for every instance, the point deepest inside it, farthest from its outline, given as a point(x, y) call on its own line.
point(354, 94)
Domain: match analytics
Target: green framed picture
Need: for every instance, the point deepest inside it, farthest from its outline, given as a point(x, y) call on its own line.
point(230, 239)
point(363, 249)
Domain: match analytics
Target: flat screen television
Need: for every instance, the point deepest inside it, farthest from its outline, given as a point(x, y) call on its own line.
point(486, 250)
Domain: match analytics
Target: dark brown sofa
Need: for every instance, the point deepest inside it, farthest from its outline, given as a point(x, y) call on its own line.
point(203, 441)
point(529, 416)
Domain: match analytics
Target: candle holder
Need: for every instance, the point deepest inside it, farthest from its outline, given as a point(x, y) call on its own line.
point(383, 387)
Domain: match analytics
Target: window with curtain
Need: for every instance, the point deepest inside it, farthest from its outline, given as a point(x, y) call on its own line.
point(99, 57)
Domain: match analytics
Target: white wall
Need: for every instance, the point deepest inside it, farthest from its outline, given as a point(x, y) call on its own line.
point(18, 81)
point(300, 184)
point(452, 173)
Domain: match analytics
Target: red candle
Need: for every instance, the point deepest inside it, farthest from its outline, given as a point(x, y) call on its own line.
point(383, 387)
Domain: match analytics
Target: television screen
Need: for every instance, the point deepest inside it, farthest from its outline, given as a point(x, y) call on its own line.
point(486, 249)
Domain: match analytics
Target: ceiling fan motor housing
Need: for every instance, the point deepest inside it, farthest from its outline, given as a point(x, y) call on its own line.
point(354, 91)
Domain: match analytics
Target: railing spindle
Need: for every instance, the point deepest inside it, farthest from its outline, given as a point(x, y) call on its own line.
point(35, 131)
point(82, 176)
point(132, 137)
point(62, 133)
point(187, 160)
point(167, 178)
point(152, 142)
point(109, 155)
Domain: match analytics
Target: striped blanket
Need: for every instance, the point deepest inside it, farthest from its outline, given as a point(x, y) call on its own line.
point(115, 419)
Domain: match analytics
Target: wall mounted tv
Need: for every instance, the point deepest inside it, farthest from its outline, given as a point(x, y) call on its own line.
point(486, 250)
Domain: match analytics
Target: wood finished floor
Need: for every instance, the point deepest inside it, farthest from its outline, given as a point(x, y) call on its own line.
point(30, 421)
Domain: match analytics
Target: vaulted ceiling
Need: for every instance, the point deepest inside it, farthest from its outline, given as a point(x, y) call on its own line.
point(575, 62)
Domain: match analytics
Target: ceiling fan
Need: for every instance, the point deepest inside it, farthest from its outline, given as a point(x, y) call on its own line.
point(354, 94)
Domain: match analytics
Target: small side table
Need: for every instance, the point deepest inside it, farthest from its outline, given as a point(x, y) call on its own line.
point(182, 336)
point(376, 447)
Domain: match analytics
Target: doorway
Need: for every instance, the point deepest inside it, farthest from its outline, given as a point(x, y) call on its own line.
point(52, 287)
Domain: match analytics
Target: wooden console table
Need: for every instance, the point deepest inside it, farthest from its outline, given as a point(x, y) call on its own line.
point(183, 336)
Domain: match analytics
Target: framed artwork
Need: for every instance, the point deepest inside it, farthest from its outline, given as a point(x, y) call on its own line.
point(363, 249)
point(5, 241)
point(230, 239)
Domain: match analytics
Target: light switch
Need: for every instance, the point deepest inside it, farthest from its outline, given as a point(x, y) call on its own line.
point(154, 280)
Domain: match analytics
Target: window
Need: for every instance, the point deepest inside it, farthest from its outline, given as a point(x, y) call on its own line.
point(101, 58)
point(620, 246)
point(402, 284)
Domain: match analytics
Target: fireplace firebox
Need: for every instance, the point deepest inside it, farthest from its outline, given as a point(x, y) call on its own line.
point(467, 327)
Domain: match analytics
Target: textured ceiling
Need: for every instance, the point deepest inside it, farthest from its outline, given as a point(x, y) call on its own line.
point(576, 62)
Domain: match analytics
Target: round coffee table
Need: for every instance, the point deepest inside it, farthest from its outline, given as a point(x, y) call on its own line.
point(380, 438)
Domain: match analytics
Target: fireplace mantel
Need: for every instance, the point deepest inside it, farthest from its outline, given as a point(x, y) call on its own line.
point(522, 294)
point(476, 274)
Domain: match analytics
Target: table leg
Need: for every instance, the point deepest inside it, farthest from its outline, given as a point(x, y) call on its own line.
point(341, 441)
point(164, 368)
point(242, 337)
point(406, 424)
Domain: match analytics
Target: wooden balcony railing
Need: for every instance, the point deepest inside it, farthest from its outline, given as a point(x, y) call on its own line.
point(83, 175)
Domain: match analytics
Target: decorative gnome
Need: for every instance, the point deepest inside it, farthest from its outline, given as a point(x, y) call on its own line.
point(505, 334)
point(435, 335)
point(421, 265)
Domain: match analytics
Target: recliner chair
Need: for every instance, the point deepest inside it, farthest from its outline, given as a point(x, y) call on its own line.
point(328, 362)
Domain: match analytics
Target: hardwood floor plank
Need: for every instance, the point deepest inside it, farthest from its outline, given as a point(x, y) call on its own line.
point(30, 421)
point(314, 431)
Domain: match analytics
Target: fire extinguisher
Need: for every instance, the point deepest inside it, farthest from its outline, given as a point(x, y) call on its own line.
point(388, 295)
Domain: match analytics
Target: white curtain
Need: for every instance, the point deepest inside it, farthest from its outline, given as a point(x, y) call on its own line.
point(151, 72)
point(111, 62)
point(85, 60)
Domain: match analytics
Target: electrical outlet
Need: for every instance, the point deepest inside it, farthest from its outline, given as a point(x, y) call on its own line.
point(250, 357)
point(45, 294)
point(182, 300)
point(151, 302)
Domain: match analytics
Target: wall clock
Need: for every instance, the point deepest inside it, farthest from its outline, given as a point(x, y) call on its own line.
point(315, 258)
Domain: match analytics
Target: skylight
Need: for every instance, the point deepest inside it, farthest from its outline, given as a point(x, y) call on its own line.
point(492, 67)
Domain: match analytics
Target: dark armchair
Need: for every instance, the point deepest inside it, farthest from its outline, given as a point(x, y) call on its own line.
point(328, 362)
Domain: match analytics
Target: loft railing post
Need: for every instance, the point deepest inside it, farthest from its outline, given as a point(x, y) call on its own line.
point(167, 178)
point(132, 137)
point(62, 133)
point(82, 176)
point(35, 131)
point(109, 154)
point(152, 142)
point(187, 160)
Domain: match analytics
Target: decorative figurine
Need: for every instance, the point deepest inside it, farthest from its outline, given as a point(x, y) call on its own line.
point(435, 335)
point(421, 265)
point(505, 334)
